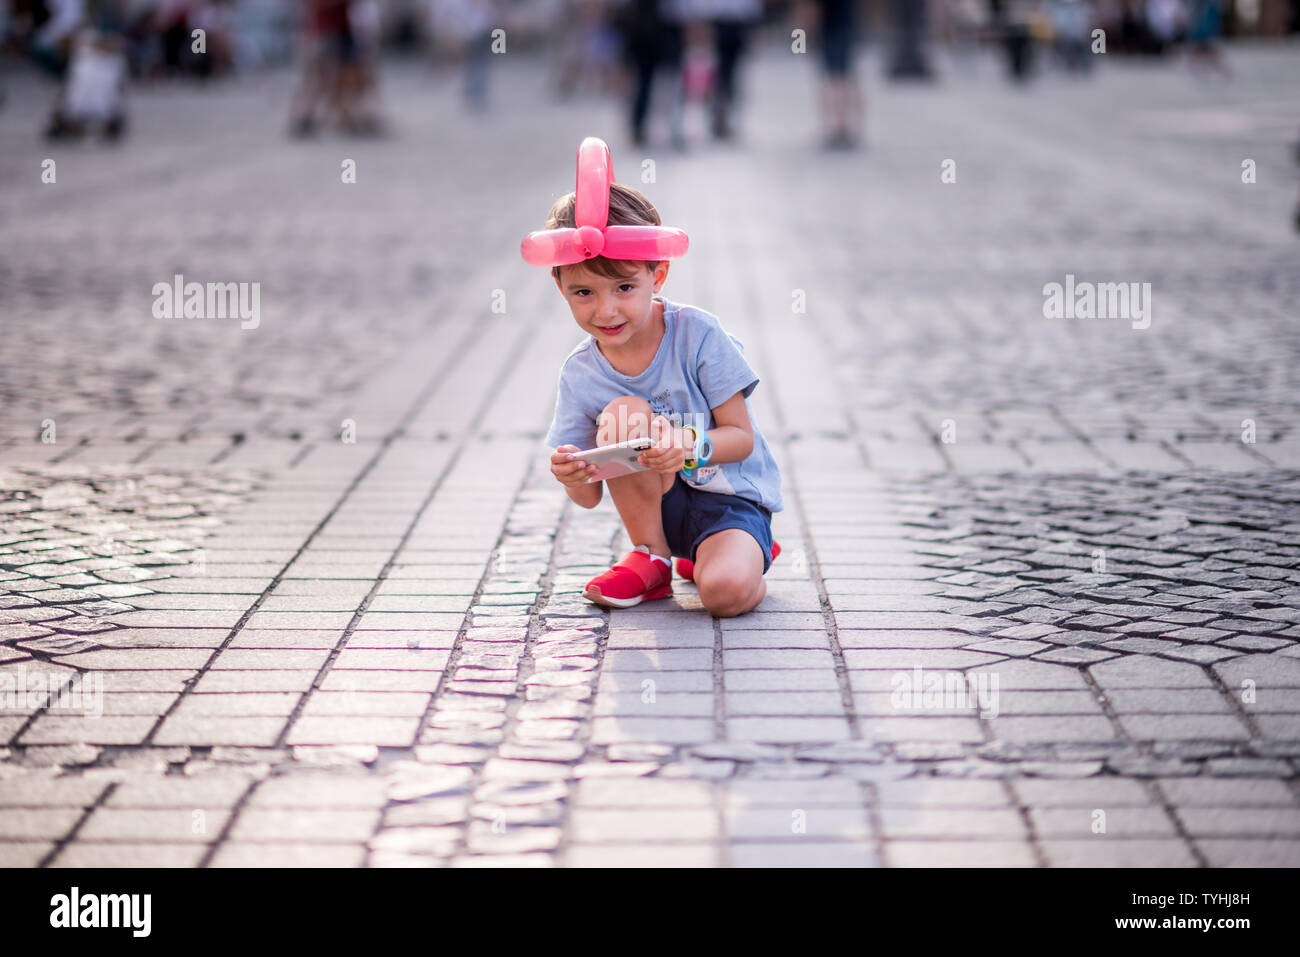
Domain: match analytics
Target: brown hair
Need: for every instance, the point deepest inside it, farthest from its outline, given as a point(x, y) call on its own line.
point(627, 207)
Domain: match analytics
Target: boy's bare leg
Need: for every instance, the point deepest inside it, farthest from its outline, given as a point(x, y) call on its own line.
point(729, 573)
point(638, 496)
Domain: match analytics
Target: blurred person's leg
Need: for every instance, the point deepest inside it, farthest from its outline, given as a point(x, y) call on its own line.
point(642, 60)
point(311, 86)
point(728, 45)
point(476, 56)
point(842, 101)
point(672, 63)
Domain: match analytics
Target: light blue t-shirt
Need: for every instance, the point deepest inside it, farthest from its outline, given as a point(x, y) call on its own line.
point(699, 366)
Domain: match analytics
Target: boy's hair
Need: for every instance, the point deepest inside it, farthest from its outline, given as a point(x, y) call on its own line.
point(627, 207)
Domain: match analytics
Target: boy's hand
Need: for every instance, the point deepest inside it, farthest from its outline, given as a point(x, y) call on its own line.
point(669, 451)
point(568, 470)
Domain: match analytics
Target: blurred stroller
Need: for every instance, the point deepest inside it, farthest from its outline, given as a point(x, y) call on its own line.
point(93, 95)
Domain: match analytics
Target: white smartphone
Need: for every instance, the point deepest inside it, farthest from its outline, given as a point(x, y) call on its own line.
point(615, 460)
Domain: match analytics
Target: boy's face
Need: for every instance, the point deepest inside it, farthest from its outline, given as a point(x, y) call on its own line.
point(617, 312)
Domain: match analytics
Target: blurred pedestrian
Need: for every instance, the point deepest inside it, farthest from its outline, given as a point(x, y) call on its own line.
point(652, 44)
point(1011, 21)
point(93, 94)
point(587, 49)
point(1206, 21)
point(732, 21)
point(462, 30)
point(841, 98)
point(333, 75)
point(52, 42)
point(1071, 25)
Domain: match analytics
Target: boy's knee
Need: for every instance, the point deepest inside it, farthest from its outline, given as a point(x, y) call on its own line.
point(626, 417)
point(726, 596)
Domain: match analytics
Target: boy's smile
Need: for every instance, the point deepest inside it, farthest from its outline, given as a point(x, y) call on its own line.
point(619, 313)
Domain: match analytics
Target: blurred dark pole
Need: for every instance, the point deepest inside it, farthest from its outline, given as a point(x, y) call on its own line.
point(909, 62)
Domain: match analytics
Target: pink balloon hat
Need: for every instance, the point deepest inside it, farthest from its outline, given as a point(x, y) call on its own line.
point(593, 236)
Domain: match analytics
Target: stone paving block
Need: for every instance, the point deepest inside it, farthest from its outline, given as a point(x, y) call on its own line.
point(641, 855)
point(1185, 727)
point(935, 792)
point(390, 703)
point(959, 854)
point(298, 825)
point(803, 853)
point(35, 791)
point(411, 640)
point(23, 853)
point(928, 728)
point(642, 792)
point(666, 826)
point(1141, 672)
point(220, 729)
point(841, 824)
point(1108, 792)
point(800, 679)
point(1119, 822)
point(1227, 792)
point(1167, 701)
point(611, 730)
point(927, 659)
point(385, 731)
point(239, 704)
point(667, 704)
point(787, 729)
point(1266, 671)
point(345, 680)
point(1240, 822)
point(776, 659)
point(61, 729)
point(650, 638)
point(102, 854)
point(891, 704)
point(162, 825)
point(320, 790)
point(1032, 676)
point(655, 660)
point(1106, 851)
point(767, 640)
point(134, 659)
point(135, 704)
point(204, 792)
point(750, 703)
point(1250, 853)
point(1052, 729)
point(269, 659)
point(241, 854)
point(220, 682)
point(820, 792)
point(37, 824)
point(1019, 702)
point(1282, 727)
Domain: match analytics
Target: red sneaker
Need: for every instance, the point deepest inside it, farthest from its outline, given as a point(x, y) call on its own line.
point(686, 567)
point(636, 577)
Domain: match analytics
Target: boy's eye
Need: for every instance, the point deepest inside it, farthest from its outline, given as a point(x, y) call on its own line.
point(625, 286)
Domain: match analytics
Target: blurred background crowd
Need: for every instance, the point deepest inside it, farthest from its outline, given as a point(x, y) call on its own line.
point(677, 51)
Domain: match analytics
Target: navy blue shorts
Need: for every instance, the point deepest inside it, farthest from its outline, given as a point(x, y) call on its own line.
point(690, 516)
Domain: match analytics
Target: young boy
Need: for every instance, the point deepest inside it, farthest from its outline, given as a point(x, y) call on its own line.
point(657, 368)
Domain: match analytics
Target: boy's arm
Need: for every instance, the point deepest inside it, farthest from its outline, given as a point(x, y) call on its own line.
point(588, 496)
point(571, 473)
point(732, 434)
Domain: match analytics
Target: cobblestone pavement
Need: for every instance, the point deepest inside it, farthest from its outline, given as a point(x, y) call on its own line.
point(307, 593)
